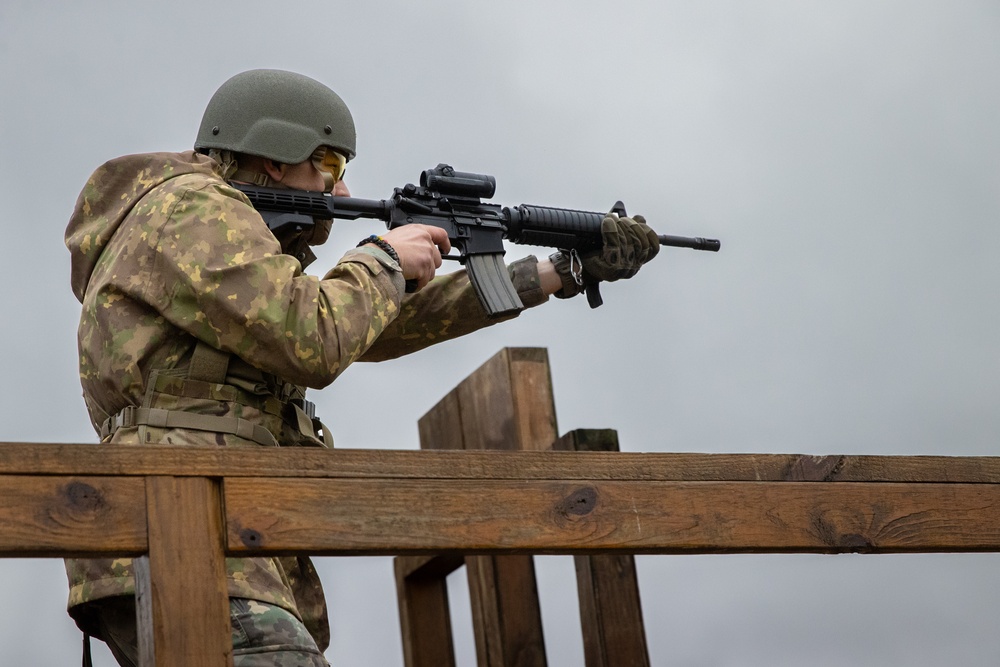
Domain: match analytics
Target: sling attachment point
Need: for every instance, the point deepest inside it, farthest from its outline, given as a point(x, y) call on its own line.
point(312, 431)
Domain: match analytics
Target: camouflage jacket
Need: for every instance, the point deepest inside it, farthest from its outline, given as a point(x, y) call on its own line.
point(166, 254)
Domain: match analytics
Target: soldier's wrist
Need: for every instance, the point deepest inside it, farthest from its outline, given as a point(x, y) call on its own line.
point(570, 273)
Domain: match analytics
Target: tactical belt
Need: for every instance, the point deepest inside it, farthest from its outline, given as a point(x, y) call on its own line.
point(213, 366)
point(159, 418)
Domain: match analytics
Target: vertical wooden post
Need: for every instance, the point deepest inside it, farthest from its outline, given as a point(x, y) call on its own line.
point(506, 616)
point(424, 615)
point(181, 593)
point(506, 404)
point(608, 586)
point(421, 581)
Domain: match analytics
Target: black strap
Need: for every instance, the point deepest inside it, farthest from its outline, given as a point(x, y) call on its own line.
point(88, 660)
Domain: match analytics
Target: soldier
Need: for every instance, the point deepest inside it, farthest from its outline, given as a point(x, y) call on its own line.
point(199, 326)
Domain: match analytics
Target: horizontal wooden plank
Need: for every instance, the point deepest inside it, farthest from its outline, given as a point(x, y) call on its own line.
point(63, 516)
point(72, 516)
point(393, 516)
point(437, 566)
point(69, 459)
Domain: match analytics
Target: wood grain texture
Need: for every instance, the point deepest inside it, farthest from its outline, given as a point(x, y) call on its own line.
point(610, 611)
point(485, 406)
point(106, 460)
point(409, 517)
point(71, 516)
point(424, 614)
point(507, 405)
point(428, 567)
point(182, 597)
point(506, 615)
point(441, 427)
point(533, 402)
point(607, 585)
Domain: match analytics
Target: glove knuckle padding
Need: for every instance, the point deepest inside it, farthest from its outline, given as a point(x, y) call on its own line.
point(637, 245)
point(654, 244)
point(628, 243)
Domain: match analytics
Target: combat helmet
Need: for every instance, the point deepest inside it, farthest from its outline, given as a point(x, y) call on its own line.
point(278, 115)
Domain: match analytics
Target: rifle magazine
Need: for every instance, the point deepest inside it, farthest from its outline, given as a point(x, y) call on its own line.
point(491, 282)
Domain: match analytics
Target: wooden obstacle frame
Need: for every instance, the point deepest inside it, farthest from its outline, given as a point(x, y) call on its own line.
point(492, 484)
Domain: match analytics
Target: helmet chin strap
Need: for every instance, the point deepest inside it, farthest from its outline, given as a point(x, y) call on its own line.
point(227, 163)
point(254, 177)
point(231, 171)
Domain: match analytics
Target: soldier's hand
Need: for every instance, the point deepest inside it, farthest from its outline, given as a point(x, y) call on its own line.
point(419, 248)
point(628, 244)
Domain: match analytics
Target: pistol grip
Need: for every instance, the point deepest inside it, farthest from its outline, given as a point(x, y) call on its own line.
point(594, 297)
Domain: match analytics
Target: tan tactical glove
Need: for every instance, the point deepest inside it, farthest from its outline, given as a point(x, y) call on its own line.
point(628, 244)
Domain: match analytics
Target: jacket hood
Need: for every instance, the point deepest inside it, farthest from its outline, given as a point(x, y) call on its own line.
point(109, 196)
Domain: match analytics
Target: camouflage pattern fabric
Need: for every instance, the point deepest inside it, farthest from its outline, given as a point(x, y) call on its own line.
point(268, 636)
point(165, 254)
point(263, 635)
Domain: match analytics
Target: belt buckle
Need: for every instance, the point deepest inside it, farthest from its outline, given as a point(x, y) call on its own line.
point(124, 418)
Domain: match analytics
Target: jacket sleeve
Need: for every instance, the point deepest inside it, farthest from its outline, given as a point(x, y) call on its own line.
point(448, 308)
point(226, 282)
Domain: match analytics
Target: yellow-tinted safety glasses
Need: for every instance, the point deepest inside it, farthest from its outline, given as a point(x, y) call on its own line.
point(331, 163)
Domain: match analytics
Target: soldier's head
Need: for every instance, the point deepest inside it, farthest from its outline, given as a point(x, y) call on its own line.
point(277, 128)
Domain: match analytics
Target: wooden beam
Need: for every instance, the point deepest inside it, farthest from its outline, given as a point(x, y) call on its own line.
point(424, 614)
point(181, 592)
point(607, 585)
point(342, 517)
point(506, 616)
point(505, 404)
point(610, 611)
point(74, 460)
point(49, 517)
point(437, 566)
point(441, 427)
point(71, 516)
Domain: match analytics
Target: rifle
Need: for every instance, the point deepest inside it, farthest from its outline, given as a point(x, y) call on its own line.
point(452, 200)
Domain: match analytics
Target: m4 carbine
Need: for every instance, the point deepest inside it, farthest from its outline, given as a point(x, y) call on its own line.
point(452, 200)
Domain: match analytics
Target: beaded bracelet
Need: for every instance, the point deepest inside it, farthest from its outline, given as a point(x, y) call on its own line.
point(383, 244)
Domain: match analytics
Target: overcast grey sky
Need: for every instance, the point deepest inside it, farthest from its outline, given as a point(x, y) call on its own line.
point(846, 153)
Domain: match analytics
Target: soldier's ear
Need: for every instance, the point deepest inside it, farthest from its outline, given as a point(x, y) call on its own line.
point(276, 170)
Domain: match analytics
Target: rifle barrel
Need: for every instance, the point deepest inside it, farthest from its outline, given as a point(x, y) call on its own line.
point(696, 242)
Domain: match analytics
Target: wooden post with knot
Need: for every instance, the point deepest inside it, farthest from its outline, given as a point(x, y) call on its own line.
point(508, 405)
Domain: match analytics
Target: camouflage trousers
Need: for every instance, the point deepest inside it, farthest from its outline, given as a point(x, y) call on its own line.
point(264, 635)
